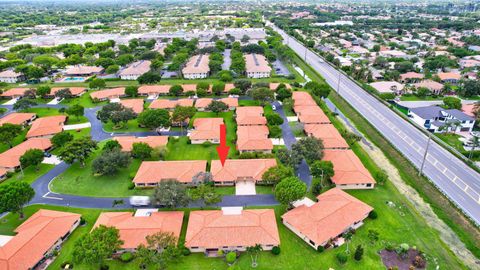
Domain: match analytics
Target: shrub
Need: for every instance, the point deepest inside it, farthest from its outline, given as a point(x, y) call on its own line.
point(274, 131)
point(220, 253)
point(64, 264)
point(231, 257)
point(131, 185)
point(82, 221)
point(373, 215)
point(389, 246)
point(186, 251)
point(342, 258)
point(126, 257)
point(132, 175)
point(419, 262)
point(276, 250)
point(104, 267)
point(320, 249)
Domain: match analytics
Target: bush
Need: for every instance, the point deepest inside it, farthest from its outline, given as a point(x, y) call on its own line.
point(126, 257)
point(132, 175)
point(419, 262)
point(274, 131)
point(373, 215)
point(342, 258)
point(186, 251)
point(131, 186)
point(82, 221)
point(104, 267)
point(387, 96)
point(389, 247)
point(276, 250)
point(320, 249)
point(64, 264)
point(231, 257)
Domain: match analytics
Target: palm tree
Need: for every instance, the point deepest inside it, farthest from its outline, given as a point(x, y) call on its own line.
point(446, 127)
point(347, 236)
point(455, 125)
point(253, 251)
point(474, 142)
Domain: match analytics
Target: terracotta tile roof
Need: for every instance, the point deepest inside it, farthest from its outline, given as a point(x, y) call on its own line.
point(197, 64)
point(170, 104)
point(411, 75)
point(45, 126)
point(335, 212)
point(34, 238)
point(74, 90)
point(136, 104)
point(449, 76)
point(328, 134)
point(311, 115)
point(348, 168)
point(153, 89)
point(273, 86)
point(17, 118)
point(15, 92)
point(253, 138)
point(154, 141)
point(206, 129)
point(10, 74)
point(136, 68)
point(108, 93)
point(134, 229)
point(213, 229)
point(429, 84)
point(156, 171)
point(189, 87)
point(387, 86)
point(301, 98)
point(250, 115)
point(241, 169)
point(11, 157)
point(204, 102)
point(256, 63)
point(468, 109)
point(229, 86)
point(83, 70)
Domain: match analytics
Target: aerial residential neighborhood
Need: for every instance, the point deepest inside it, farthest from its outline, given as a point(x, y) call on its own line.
point(236, 135)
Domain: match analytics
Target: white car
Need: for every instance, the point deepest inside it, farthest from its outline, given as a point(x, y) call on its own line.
point(274, 107)
point(139, 200)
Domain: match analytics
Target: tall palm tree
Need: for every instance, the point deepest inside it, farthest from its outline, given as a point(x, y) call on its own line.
point(474, 142)
point(455, 125)
point(253, 251)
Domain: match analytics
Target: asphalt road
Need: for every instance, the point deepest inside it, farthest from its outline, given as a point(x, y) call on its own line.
point(452, 176)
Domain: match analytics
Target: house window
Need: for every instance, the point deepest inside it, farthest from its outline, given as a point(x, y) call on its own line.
point(369, 185)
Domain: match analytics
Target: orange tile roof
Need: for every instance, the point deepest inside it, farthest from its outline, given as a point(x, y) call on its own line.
point(301, 98)
point(47, 126)
point(311, 115)
point(157, 171)
point(449, 75)
point(197, 64)
point(241, 169)
point(348, 168)
point(134, 229)
point(206, 129)
point(273, 86)
point(154, 141)
point(213, 229)
point(170, 104)
point(74, 90)
point(327, 133)
point(253, 138)
point(15, 92)
point(108, 93)
point(229, 86)
point(34, 238)
point(153, 89)
point(136, 104)
point(431, 85)
point(189, 87)
point(83, 70)
point(411, 75)
point(17, 118)
point(250, 115)
point(335, 212)
point(204, 102)
point(11, 157)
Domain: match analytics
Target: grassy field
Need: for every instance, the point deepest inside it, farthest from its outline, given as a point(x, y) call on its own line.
point(44, 112)
point(84, 100)
point(30, 174)
point(131, 126)
point(444, 209)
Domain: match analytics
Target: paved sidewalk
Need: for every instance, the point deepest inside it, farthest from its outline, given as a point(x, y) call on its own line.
point(77, 126)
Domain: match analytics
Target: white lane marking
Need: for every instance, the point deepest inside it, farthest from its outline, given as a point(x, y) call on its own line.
point(48, 197)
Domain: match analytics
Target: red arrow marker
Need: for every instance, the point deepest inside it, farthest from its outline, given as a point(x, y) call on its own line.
point(222, 150)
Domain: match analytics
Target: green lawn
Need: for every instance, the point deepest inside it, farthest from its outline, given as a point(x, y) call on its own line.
point(297, 129)
point(30, 174)
point(248, 102)
point(131, 126)
point(17, 140)
point(415, 98)
point(44, 112)
point(84, 100)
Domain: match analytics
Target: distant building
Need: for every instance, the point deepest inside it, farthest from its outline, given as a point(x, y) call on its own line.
point(388, 87)
point(433, 86)
point(197, 67)
point(256, 66)
point(112, 93)
point(136, 104)
point(10, 76)
point(83, 71)
point(15, 92)
point(449, 77)
point(433, 118)
point(153, 141)
point(135, 70)
point(170, 104)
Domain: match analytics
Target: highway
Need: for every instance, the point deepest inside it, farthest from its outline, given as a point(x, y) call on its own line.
point(460, 183)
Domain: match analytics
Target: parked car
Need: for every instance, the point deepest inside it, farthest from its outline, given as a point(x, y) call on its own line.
point(274, 107)
point(139, 200)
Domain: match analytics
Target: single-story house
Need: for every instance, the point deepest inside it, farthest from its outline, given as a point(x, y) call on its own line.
point(134, 228)
point(75, 91)
point(10, 76)
point(153, 141)
point(311, 115)
point(411, 77)
point(170, 104)
point(388, 87)
point(202, 103)
point(47, 126)
point(250, 116)
point(15, 92)
point(151, 173)
point(253, 139)
point(197, 67)
point(22, 119)
point(135, 70)
point(113, 93)
point(321, 223)
point(433, 86)
point(136, 104)
point(433, 118)
point(274, 86)
point(235, 170)
point(256, 66)
point(36, 238)
point(332, 139)
point(153, 90)
point(206, 130)
point(449, 77)
point(231, 229)
point(82, 71)
point(301, 98)
point(349, 170)
point(10, 159)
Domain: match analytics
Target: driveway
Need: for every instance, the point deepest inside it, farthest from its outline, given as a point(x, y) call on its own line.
point(77, 126)
point(227, 61)
point(11, 101)
point(245, 188)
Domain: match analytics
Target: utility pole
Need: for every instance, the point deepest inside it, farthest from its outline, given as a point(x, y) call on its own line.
point(338, 88)
point(425, 154)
